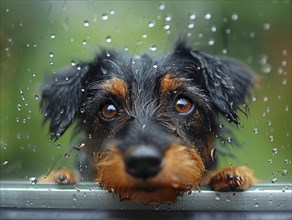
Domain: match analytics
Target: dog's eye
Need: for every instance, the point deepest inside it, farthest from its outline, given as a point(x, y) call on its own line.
point(108, 111)
point(183, 105)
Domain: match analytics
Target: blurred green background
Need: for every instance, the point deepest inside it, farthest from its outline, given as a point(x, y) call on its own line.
point(41, 37)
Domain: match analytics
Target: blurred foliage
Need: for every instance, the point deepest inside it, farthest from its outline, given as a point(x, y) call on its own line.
point(39, 38)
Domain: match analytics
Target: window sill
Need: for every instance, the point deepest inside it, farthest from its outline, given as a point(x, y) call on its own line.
point(44, 198)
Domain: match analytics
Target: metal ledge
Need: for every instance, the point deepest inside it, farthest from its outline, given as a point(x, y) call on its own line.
point(266, 197)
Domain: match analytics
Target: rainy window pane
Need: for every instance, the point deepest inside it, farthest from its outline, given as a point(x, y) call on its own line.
point(38, 38)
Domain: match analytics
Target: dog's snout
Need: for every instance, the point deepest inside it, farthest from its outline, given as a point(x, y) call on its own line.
point(143, 162)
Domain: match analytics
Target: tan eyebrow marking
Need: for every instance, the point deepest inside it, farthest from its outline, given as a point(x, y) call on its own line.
point(115, 86)
point(170, 83)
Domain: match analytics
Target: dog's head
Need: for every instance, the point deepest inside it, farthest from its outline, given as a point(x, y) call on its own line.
point(153, 118)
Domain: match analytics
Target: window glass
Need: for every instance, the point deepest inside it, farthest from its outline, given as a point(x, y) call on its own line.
point(39, 38)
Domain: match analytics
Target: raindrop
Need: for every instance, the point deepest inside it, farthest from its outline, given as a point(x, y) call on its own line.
point(153, 48)
point(251, 34)
point(270, 161)
point(18, 107)
point(234, 17)
point(51, 54)
point(161, 6)
point(213, 28)
point(166, 27)
point(73, 63)
point(112, 12)
point(5, 162)
point(208, 16)
point(274, 180)
point(271, 138)
point(265, 99)
point(84, 42)
point(285, 172)
point(191, 25)
point(256, 205)
point(284, 52)
point(104, 16)
point(266, 26)
point(217, 197)
point(224, 51)
point(53, 36)
point(151, 24)
point(144, 36)
point(74, 197)
point(33, 74)
point(86, 23)
point(108, 39)
point(33, 180)
point(255, 130)
point(211, 42)
point(286, 161)
point(67, 155)
point(192, 17)
point(275, 150)
point(168, 18)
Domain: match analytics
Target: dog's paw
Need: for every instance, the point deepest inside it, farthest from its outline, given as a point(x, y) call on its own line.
point(60, 176)
point(232, 179)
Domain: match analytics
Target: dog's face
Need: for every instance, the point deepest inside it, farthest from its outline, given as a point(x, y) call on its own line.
point(153, 120)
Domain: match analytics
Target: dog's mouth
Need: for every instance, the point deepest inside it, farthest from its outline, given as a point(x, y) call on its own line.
point(182, 169)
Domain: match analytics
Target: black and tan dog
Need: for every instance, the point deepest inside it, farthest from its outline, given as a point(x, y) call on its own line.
point(150, 122)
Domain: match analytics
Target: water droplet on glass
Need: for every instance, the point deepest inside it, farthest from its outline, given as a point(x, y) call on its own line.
point(153, 48)
point(274, 180)
point(166, 27)
point(33, 180)
point(112, 12)
point(285, 172)
point(161, 6)
point(191, 25)
point(255, 130)
point(167, 18)
point(74, 197)
point(213, 28)
point(73, 63)
point(208, 16)
point(252, 34)
point(151, 24)
point(256, 205)
point(108, 39)
point(192, 17)
point(286, 161)
point(86, 23)
point(104, 16)
point(217, 197)
point(266, 26)
point(18, 107)
point(234, 17)
point(52, 36)
point(211, 42)
point(144, 36)
point(84, 42)
point(5, 162)
point(271, 138)
point(67, 155)
point(51, 54)
point(275, 150)
point(270, 161)
point(265, 98)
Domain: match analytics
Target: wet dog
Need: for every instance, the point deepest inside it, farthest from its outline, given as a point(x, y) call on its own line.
point(150, 122)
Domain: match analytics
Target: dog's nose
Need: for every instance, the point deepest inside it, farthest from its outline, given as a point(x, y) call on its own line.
point(143, 162)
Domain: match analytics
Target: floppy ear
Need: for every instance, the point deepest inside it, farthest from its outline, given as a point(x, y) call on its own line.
point(61, 97)
point(227, 82)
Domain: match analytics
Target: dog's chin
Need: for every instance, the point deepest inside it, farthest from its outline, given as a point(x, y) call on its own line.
point(150, 195)
point(182, 169)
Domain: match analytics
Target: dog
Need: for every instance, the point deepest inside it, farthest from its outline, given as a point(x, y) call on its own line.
point(150, 123)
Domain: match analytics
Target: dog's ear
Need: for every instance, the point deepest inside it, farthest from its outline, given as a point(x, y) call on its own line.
point(61, 97)
point(227, 82)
